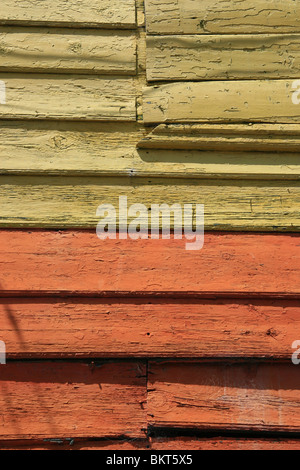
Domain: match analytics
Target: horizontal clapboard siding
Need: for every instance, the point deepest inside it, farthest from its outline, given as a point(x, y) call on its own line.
point(67, 51)
point(122, 443)
point(224, 101)
point(257, 397)
point(68, 97)
point(71, 13)
point(48, 399)
point(221, 16)
point(157, 443)
point(110, 149)
point(57, 202)
point(59, 328)
point(225, 443)
point(233, 138)
point(111, 344)
point(63, 148)
point(221, 57)
point(77, 262)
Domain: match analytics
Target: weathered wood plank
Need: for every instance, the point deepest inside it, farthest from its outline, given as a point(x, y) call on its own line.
point(89, 148)
point(223, 57)
point(77, 262)
point(67, 51)
point(157, 443)
point(70, 13)
point(59, 202)
point(259, 397)
point(132, 444)
point(232, 137)
point(82, 328)
point(224, 443)
point(222, 101)
point(70, 97)
point(67, 399)
point(221, 16)
point(109, 149)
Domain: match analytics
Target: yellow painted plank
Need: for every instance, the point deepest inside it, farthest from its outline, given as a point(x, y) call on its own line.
point(90, 148)
point(222, 101)
point(229, 137)
point(72, 97)
point(67, 50)
point(70, 13)
point(218, 57)
point(110, 149)
point(222, 16)
point(58, 202)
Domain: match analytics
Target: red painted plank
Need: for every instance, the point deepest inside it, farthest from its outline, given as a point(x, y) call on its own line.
point(77, 262)
point(260, 397)
point(80, 327)
point(219, 443)
point(64, 399)
point(132, 444)
point(179, 443)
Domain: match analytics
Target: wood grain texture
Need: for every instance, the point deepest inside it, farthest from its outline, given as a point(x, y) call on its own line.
point(258, 397)
point(67, 51)
point(78, 263)
point(158, 443)
point(76, 148)
point(223, 57)
point(224, 443)
point(132, 444)
point(70, 13)
point(222, 101)
point(83, 328)
point(110, 149)
point(230, 138)
point(68, 97)
point(67, 399)
point(221, 16)
point(59, 202)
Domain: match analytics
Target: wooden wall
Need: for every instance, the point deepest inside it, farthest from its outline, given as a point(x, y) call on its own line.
point(138, 344)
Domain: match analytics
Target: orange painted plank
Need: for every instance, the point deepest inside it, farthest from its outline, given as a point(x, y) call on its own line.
point(219, 443)
point(64, 399)
point(85, 327)
point(260, 397)
point(77, 262)
point(132, 444)
point(180, 443)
